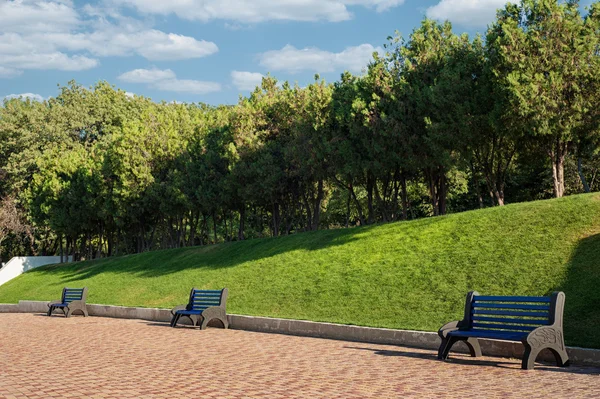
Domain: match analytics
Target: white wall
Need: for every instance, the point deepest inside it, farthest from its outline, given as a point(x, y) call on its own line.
point(19, 265)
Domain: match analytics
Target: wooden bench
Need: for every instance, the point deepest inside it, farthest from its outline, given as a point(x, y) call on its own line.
point(537, 322)
point(202, 307)
point(72, 300)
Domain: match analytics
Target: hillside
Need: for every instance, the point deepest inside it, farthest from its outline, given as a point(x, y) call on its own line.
point(409, 275)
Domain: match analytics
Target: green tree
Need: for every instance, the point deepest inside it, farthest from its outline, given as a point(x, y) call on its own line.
point(546, 54)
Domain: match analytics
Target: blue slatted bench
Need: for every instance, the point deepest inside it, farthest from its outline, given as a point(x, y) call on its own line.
point(202, 307)
point(537, 322)
point(72, 300)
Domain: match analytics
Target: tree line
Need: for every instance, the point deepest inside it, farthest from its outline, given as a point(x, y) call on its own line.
point(438, 123)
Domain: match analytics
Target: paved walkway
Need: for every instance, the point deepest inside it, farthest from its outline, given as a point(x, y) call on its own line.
point(42, 357)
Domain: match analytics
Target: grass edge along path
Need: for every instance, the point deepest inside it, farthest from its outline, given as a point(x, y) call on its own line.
point(407, 275)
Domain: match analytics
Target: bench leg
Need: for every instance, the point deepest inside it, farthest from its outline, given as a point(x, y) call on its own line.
point(529, 356)
point(175, 319)
point(532, 352)
point(445, 347)
point(474, 348)
point(441, 349)
point(562, 359)
point(72, 311)
point(50, 309)
point(205, 321)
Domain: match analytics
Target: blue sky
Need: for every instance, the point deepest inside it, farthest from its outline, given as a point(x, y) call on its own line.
point(204, 50)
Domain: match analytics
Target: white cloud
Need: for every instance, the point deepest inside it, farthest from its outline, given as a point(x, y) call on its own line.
point(37, 15)
point(51, 34)
point(55, 60)
point(471, 13)
point(147, 75)
point(252, 11)
point(157, 45)
point(246, 81)
point(113, 40)
point(293, 60)
point(188, 86)
point(25, 96)
point(9, 72)
point(166, 80)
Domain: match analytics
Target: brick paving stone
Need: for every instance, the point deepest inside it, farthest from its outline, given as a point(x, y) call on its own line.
point(54, 357)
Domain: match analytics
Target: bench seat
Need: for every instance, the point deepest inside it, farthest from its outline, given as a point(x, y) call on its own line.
point(202, 307)
point(501, 335)
point(188, 312)
point(536, 322)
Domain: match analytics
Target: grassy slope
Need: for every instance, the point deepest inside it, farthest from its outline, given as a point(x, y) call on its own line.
point(411, 275)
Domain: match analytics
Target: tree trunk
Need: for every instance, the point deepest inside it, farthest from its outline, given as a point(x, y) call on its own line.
point(380, 203)
point(558, 154)
point(404, 198)
point(499, 194)
point(89, 246)
point(396, 185)
point(242, 222)
point(443, 191)
point(81, 249)
point(476, 184)
point(371, 216)
point(110, 245)
point(586, 187)
point(348, 209)
point(214, 218)
point(275, 219)
point(309, 217)
point(433, 191)
point(74, 248)
point(317, 208)
point(361, 215)
point(226, 234)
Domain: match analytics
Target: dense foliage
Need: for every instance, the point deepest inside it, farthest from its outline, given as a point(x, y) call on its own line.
point(439, 123)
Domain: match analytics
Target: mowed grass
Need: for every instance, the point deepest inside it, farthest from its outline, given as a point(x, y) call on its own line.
point(407, 275)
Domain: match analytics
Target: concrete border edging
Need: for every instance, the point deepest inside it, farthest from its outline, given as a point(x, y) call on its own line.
point(382, 336)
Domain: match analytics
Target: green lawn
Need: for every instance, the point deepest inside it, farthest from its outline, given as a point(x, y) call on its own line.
point(409, 275)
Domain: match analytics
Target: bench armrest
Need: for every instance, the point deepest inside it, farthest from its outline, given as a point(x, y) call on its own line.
point(546, 336)
point(76, 304)
point(178, 307)
point(448, 327)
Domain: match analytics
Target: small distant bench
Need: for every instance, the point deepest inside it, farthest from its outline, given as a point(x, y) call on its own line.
point(202, 307)
point(537, 322)
point(72, 300)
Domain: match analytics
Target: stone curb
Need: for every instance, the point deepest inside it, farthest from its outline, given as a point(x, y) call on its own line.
point(382, 336)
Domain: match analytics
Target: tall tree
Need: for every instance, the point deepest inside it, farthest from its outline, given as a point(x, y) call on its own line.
point(546, 54)
point(419, 63)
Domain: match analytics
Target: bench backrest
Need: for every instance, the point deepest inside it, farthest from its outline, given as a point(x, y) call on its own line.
point(203, 299)
point(513, 313)
point(74, 294)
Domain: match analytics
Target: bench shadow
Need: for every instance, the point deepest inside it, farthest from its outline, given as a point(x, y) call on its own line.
point(158, 324)
point(387, 352)
point(464, 359)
